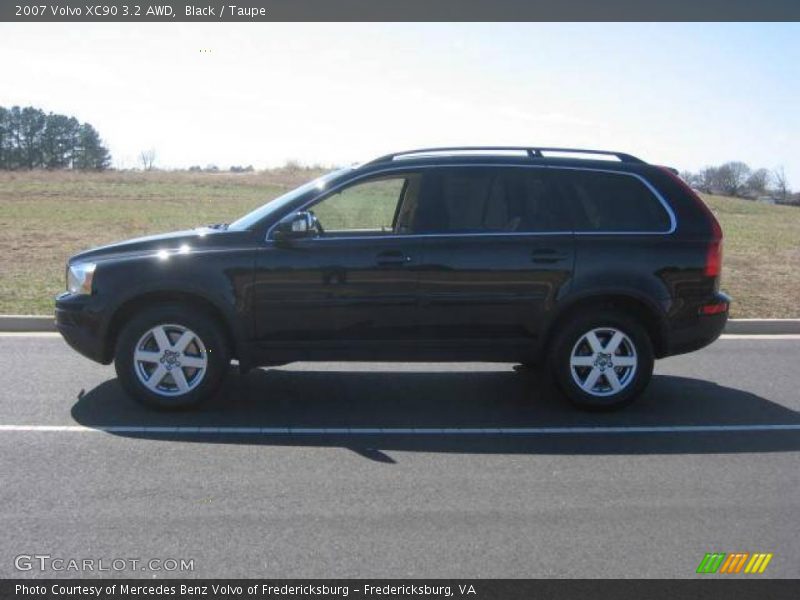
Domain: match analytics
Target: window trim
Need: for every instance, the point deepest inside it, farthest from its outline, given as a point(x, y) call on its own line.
point(673, 223)
point(400, 201)
point(388, 170)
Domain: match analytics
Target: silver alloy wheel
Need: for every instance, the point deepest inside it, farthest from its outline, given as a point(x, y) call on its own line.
point(170, 360)
point(603, 361)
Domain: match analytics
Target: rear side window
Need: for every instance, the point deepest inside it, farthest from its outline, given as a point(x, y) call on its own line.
point(524, 200)
point(612, 202)
point(489, 200)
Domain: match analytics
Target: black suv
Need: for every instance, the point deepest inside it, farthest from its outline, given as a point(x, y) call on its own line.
point(592, 262)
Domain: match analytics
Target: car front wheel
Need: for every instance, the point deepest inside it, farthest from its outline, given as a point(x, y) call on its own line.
point(602, 361)
point(171, 357)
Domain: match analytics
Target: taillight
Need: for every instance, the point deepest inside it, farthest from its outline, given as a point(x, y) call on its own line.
point(713, 309)
point(714, 259)
point(713, 266)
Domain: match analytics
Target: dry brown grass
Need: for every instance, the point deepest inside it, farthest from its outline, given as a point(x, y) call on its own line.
point(761, 256)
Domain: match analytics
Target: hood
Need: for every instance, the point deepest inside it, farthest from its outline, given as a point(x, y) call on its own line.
point(188, 241)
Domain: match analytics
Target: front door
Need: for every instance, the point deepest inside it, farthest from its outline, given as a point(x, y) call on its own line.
point(352, 284)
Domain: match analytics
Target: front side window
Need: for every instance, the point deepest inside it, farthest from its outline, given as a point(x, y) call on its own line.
point(368, 207)
point(613, 202)
point(489, 200)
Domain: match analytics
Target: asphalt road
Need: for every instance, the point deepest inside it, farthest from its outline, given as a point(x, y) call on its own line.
point(554, 503)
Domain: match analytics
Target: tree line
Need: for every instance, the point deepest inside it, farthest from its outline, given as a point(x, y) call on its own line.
point(33, 139)
point(738, 179)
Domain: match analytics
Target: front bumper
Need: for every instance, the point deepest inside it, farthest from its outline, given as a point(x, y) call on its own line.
point(82, 326)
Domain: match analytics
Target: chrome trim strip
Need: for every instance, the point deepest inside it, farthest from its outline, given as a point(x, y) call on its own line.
point(673, 222)
point(406, 236)
point(327, 192)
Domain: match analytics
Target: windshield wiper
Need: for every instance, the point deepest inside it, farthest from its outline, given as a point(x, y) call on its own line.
point(221, 226)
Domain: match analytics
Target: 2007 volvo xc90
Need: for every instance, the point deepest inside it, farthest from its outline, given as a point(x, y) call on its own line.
point(593, 262)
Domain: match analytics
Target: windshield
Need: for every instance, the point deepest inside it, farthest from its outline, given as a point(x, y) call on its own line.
point(251, 218)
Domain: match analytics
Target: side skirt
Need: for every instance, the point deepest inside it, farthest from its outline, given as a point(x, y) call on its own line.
point(466, 350)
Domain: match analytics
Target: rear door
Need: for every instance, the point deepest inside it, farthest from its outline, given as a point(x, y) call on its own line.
point(498, 251)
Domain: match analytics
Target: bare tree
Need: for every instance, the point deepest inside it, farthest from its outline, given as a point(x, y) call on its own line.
point(693, 180)
point(758, 182)
point(732, 177)
point(781, 183)
point(708, 180)
point(147, 158)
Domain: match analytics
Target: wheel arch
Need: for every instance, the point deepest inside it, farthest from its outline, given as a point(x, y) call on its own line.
point(131, 306)
point(649, 314)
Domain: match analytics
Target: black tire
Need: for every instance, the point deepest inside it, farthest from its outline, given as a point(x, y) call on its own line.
point(200, 384)
point(603, 397)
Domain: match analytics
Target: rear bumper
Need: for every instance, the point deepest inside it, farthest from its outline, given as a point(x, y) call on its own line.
point(82, 327)
point(699, 332)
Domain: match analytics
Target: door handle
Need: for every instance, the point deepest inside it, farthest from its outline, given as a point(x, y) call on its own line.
point(392, 258)
point(547, 255)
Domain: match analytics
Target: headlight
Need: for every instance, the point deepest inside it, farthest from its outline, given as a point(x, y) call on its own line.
point(79, 278)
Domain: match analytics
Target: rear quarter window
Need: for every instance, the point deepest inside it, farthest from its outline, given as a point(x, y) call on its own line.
point(612, 202)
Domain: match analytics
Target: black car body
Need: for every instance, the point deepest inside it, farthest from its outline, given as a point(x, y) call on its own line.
point(488, 254)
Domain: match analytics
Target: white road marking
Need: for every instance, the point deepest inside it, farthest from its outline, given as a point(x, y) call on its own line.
point(724, 336)
point(759, 336)
point(34, 334)
point(205, 430)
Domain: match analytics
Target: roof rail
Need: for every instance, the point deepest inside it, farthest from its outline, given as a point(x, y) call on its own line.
point(622, 156)
point(530, 152)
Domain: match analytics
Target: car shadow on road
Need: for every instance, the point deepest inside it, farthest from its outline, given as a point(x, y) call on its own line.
point(505, 398)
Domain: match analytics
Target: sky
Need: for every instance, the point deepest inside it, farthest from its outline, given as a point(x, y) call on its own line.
point(684, 95)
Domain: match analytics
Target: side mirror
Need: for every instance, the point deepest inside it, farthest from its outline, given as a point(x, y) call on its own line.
point(296, 226)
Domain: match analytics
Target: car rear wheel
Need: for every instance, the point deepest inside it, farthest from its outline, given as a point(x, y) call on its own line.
point(171, 357)
point(603, 360)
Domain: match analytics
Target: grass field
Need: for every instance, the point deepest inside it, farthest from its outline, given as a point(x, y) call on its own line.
point(47, 216)
point(761, 257)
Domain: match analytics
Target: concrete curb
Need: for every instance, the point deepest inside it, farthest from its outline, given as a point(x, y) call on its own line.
point(27, 323)
point(763, 326)
point(737, 326)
